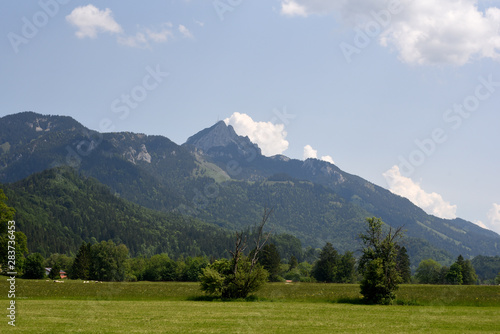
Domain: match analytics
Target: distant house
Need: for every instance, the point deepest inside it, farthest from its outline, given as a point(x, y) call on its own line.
point(63, 274)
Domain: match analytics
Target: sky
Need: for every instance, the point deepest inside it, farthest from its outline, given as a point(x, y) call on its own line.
point(405, 94)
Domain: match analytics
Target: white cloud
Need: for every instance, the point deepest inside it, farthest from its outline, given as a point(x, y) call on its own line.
point(328, 158)
point(90, 20)
point(494, 218)
point(431, 203)
point(292, 8)
point(309, 152)
point(138, 40)
point(445, 32)
point(270, 137)
point(423, 32)
point(480, 224)
point(143, 38)
point(162, 35)
point(185, 31)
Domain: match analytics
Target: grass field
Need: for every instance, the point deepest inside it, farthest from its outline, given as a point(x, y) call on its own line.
point(144, 307)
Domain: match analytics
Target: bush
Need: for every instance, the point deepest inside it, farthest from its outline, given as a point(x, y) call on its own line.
point(221, 280)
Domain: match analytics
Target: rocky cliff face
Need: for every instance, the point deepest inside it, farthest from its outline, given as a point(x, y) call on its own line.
point(219, 136)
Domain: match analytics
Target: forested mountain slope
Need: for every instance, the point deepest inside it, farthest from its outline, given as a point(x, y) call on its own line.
point(223, 179)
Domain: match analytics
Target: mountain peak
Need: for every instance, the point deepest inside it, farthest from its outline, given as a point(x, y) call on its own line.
point(221, 135)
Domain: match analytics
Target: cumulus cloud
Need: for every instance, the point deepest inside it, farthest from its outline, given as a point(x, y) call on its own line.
point(328, 158)
point(494, 218)
point(90, 20)
point(431, 203)
point(292, 8)
point(185, 31)
point(143, 38)
point(423, 32)
point(309, 152)
point(270, 137)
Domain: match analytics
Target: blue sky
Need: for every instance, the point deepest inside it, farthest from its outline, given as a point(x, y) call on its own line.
point(403, 93)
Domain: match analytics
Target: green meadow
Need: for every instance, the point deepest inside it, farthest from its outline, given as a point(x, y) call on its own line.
point(172, 307)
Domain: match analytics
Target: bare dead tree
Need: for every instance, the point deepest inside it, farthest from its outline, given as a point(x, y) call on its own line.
point(260, 240)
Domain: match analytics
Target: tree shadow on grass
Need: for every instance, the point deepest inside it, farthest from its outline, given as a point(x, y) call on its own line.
point(350, 300)
point(361, 301)
point(220, 299)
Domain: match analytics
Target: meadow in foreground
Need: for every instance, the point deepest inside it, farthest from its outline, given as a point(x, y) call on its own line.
point(46, 307)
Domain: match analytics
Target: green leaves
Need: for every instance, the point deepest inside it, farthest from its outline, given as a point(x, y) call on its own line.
point(378, 263)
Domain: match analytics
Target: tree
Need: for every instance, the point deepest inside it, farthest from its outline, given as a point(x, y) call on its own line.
point(293, 263)
point(34, 268)
point(270, 259)
point(63, 261)
point(242, 275)
point(469, 276)
point(11, 260)
point(160, 268)
point(325, 269)
point(497, 279)
point(54, 272)
point(378, 263)
point(454, 275)
point(81, 266)
point(403, 264)
point(346, 272)
point(108, 261)
point(193, 267)
point(428, 272)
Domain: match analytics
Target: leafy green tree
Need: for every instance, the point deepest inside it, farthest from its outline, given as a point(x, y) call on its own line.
point(428, 272)
point(454, 275)
point(469, 276)
point(10, 237)
point(54, 272)
point(34, 268)
point(346, 272)
point(378, 263)
point(270, 259)
point(220, 278)
point(108, 261)
point(403, 264)
point(160, 268)
point(63, 261)
point(497, 279)
point(81, 265)
point(242, 275)
point(193, 268)
point(325, 269)
point(293, 263)
point(442, 275)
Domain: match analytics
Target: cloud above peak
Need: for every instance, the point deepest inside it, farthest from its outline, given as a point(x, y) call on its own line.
point(423, 32)
point(270, 137)
point(432, 203)
point(494, 218)
point(309, 152)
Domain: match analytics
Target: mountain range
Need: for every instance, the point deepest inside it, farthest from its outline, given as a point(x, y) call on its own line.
point(222, 181)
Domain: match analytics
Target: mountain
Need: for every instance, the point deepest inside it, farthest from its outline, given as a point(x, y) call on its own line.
point(456, 236)
point(58, 209)
point(223, 179)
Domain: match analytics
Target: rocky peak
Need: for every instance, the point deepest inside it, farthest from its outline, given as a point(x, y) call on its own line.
point(221, 135)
